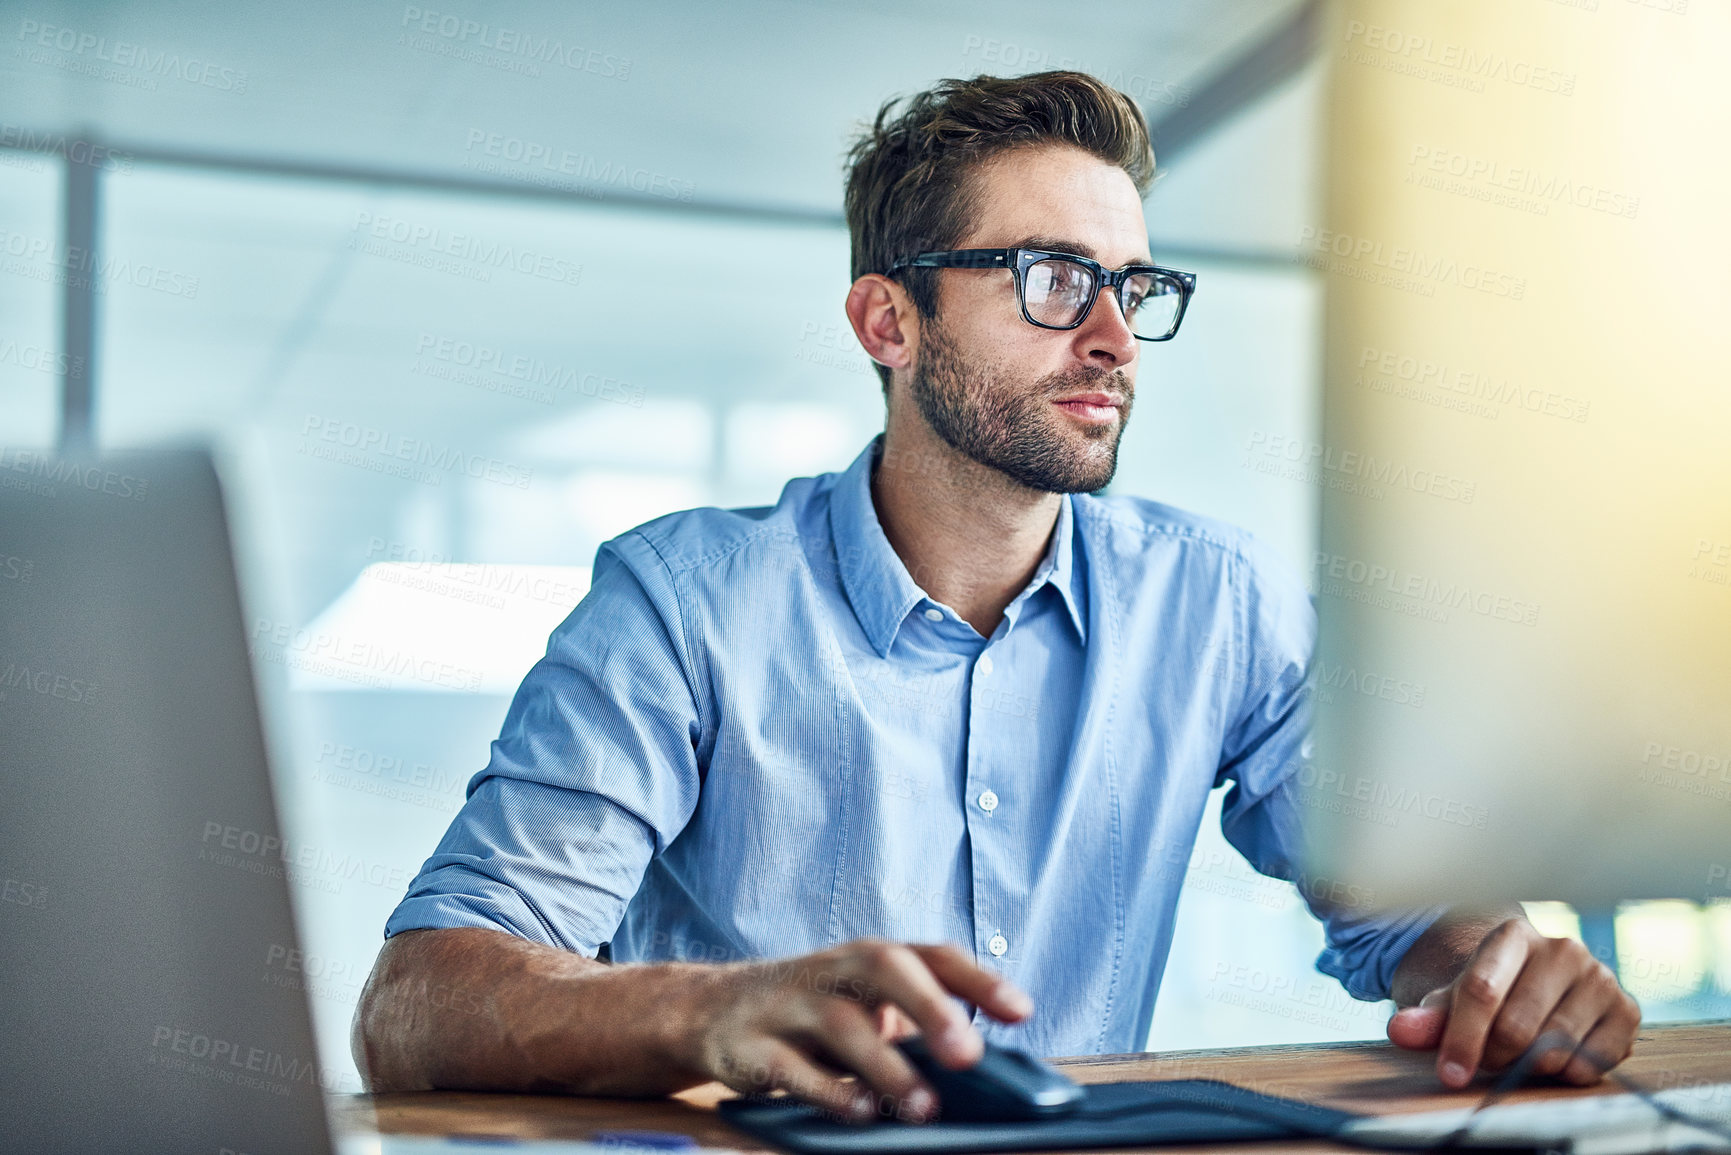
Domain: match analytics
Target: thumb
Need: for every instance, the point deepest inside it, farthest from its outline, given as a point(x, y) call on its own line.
point(1420, 1028)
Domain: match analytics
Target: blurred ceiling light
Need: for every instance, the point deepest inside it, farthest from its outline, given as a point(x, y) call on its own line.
point(434, 628)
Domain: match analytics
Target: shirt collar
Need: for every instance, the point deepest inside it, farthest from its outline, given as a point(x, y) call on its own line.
point(878, 585)
point(1063, 574)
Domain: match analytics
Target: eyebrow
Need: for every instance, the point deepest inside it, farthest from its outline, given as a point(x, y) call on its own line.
point(1065, 245)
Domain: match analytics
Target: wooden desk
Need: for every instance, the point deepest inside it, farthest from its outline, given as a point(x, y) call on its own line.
point(1369, 1077)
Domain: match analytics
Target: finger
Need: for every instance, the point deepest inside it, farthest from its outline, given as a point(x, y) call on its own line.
point(1607, 1044)
point(1417, 1028)
point(770, 1064)
point(1592, 996)
point(892, 1023)
point(903, 976)
point(848, 1037)
point(1420, 1027)
point(1553, 968)
point(986, 989)
point(1478, 995)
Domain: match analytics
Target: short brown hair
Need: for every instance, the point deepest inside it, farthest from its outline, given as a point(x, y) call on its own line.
point(907, 175)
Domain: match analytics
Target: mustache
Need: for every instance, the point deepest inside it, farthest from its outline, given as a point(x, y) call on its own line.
point(1086, 377)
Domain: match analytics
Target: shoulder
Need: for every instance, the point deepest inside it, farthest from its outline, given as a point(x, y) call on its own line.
point(1139, 528)
point(692, 541)
point(1173, 553)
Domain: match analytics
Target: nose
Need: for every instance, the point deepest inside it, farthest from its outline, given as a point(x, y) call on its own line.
point(1104, 338)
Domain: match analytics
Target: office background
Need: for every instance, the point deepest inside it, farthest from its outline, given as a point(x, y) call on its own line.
point(462, 292)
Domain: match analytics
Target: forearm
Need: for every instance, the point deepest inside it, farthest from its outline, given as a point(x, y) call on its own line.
point(475, 1009)
point(1442, 951)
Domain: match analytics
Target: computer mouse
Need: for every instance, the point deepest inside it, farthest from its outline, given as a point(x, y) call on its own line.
point(1006, 1085)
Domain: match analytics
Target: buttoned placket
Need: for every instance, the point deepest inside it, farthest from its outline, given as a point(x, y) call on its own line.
point(982, 779)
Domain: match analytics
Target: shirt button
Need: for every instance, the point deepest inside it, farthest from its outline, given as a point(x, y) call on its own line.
point(985, 666)
point(988, 802)
point(934, 615)
point(998, 945)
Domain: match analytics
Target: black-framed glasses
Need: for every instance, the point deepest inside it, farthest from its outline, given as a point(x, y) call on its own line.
point(1058, 290)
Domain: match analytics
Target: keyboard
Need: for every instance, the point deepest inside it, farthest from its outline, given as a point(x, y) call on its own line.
point(1588, 1125)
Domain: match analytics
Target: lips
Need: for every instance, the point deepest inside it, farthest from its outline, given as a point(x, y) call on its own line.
point(1096, 399)
point(1095, 408)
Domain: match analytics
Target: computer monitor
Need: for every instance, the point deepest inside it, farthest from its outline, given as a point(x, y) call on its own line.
point(1524, 572)
point(148, 954)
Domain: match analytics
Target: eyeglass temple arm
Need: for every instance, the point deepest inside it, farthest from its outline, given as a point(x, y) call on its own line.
point(962, 259)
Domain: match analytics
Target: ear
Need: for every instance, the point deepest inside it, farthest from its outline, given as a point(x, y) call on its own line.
point(884, 320)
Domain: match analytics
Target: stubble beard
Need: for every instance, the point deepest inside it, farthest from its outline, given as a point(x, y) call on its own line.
point(1011, 426)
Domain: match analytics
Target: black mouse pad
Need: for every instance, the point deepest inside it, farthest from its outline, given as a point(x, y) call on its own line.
point(1112, 1115)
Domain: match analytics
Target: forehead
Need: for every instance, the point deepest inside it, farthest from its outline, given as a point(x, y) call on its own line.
point(1057, 190)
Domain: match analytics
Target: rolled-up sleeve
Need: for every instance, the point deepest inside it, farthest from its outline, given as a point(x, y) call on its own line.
point(1266, 747)
point(594, 772)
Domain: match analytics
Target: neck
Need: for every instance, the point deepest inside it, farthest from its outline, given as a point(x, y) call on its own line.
point(970, 537)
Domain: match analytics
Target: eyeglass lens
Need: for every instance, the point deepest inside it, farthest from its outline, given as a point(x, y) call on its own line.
point(1057, 292)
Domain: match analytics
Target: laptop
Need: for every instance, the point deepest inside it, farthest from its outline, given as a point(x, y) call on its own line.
point(145, 927)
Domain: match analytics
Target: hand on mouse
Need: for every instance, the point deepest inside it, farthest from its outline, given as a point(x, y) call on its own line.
point(804, 1024)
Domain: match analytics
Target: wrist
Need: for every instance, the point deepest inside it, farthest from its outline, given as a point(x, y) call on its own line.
point(677, 1015)
point(1438, 955)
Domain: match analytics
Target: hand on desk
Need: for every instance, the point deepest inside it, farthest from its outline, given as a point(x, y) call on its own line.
point(802, 1024)
point(479, 1009)
point(1515, 986)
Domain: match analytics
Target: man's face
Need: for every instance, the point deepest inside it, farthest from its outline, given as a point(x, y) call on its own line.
point(1044, 407)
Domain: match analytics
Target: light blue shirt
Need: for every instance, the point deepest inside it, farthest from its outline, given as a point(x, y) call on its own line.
point(758, 737)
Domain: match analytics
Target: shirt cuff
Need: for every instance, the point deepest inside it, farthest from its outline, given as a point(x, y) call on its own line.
point(454, 896)
point(1363, 953)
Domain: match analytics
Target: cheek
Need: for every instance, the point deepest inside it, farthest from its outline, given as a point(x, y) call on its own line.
point(1009, 347)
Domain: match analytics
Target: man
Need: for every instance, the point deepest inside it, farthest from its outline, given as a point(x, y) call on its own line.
point(944, 697)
